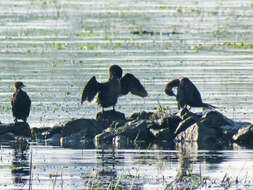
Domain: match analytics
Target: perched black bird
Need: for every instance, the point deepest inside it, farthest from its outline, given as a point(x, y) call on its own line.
point(108, 92)
point(20, 102)
point(187, 93)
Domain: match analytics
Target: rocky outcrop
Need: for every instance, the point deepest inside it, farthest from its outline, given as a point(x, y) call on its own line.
point(12, 130)
point(142, 128)
point(244, 136)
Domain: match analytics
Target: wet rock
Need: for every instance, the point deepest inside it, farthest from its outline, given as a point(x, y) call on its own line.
point(18, 129)
point(163, 135)
point(171, 122)
point(54, 140)
point(6, 137)
point(140, 116)
point(137, 130)
point(84, 127)
point(244, 135)
point(121, 141)
point(207, 130)
point(77, 140)
point(183, 125)
point(216, 120)
point(104, 137)
point(107, 117)
point(185, 113)
point(117, 124)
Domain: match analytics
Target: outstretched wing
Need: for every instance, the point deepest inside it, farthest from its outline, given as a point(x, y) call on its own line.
point(90, 90)
point(129, 83)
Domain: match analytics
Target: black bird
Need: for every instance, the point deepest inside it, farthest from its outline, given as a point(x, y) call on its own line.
point(20, 102)
point(187, 93)
point(108, 92)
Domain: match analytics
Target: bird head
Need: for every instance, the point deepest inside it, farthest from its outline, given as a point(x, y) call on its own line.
point(115, 71)
point(18, 85)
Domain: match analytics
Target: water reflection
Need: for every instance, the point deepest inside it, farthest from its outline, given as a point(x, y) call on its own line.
point(20, 166)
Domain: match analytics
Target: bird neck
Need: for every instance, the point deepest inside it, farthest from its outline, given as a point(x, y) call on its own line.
point(17, 89)
point(174, 83)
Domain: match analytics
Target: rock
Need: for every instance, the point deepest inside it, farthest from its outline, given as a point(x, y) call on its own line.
point(140, 116)
point(163, 135)
point(201, 134)
point(107, 117)
point(122, 142)
point(244, 135)
point(104, 137)
point(6, 137)
point(18, 129)
point(206, 131)
point(137, 130)
point(40, 133)
point(183, 125)
point(185, 113)
point(171, 122)
point(76, 140)
point(84, 127)
point(216, 119)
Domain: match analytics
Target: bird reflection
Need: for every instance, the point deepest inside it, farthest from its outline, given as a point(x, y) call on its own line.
point(20, 163)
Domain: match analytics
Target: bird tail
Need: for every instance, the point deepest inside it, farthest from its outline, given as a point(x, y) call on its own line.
point(209, 106)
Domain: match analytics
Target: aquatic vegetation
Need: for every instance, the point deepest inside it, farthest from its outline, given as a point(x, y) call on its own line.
point(59, 46)
point(239, 45)
point(179, 10)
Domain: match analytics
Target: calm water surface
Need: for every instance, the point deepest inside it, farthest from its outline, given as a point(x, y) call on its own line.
point(55, 46)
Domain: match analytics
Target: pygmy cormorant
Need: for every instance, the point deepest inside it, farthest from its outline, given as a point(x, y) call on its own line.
point(108, 92)
point(187, 93)
point(20, 102)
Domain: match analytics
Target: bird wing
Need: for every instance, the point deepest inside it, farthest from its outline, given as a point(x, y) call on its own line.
point(190, 92)
point(129, 83)
point(27, 102)
point(90, 90)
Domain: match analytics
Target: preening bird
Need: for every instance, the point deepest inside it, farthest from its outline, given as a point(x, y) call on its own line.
point(187, 93)
point(21, 103)
point(108, 92)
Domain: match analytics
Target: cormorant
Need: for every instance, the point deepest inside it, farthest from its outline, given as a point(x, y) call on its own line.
point(108, 92)
point(20, 102)
point(187, 93)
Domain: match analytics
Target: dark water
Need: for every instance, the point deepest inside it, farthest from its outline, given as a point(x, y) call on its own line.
point(55, 46)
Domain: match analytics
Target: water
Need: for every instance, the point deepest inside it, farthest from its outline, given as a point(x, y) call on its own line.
point(55, 46)
point(63, 168)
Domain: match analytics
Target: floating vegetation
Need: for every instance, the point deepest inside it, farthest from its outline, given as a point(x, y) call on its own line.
point(179, 10)
point(59, 46)
point(239, 45)
point(234, 45)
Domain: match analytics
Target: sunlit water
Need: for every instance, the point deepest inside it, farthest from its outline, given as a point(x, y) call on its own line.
point(55, 46)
